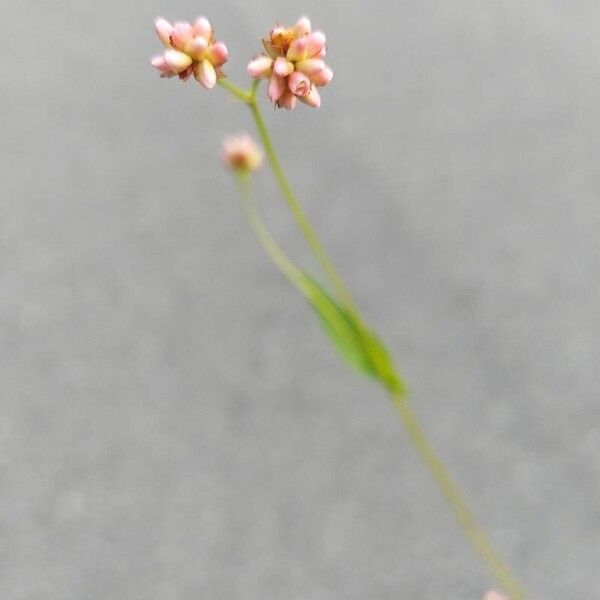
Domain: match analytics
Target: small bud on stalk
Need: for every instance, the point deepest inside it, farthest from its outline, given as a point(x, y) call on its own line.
point(241, 153)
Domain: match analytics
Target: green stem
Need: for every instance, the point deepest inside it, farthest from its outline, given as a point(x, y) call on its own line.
point(238, 92)
point(249, 98)
point(476, 535)
point(264, 237)
point(301, 219)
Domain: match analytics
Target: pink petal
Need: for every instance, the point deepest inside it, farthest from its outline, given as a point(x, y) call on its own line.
point(299, 84)
point(494, 596)
point(177, 61)
point(315, 42)
point(217, 54)
point(164, 30)
point(323, 77)
point(182, 35)
point(202, 28)
point(283, 67)
point(312, 99)
point(302, 27)
point(277, 85)
point(205, 74)
point(261, 66)
point(287, 100)
point(297, 50)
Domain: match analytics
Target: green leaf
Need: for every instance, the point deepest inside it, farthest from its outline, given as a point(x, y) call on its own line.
point(357, 345)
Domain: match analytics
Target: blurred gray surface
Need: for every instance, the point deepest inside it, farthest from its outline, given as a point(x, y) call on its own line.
point(172, 425)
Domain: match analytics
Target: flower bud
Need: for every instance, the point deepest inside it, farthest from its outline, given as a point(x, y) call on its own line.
point(315, 42)
point(288, 100)
point(205, 74)
point(323, 77)
point(217, 54)
point(182, 35)
point(241, 153)
point(202, 28)
point(159, 63)
point(302, 27)
point(313, 98)
point(164, 29)
point(178, 61)
point(297, 50)
point(282, 67)
point(299, 84)
point(260, 67)
point(277, 85)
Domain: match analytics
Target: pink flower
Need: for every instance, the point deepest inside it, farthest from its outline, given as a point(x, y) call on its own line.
point(241, 153)
point(293, 65)
point(494, 596)
point(191, 49)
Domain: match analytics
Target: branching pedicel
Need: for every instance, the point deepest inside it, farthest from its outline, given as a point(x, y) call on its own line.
point(293, 64)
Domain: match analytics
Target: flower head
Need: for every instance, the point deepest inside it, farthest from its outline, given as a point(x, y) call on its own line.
point(241, 153)
point(191, 49)
point(293, 64)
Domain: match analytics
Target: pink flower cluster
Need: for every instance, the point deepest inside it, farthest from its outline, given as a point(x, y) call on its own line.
point(293, 65)
point(190, 50)
point(293, 62)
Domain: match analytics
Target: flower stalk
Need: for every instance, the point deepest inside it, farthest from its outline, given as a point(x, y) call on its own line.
point(298, 213)
point(308, 231)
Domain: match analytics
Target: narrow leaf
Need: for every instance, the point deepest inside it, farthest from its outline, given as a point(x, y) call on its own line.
point(357, 345)
point(340, 329)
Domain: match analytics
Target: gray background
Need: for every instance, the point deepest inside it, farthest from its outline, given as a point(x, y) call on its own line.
point(173, 426)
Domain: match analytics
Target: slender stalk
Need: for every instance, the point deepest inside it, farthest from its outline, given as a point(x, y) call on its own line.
point(249, 98)
point(264, 237)
point(238, 92)
point(476, 535)
point(301, 219)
